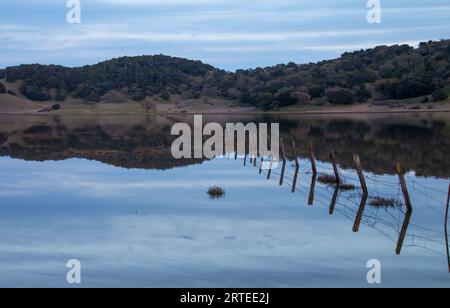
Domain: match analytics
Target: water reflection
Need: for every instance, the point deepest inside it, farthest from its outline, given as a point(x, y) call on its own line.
point(420, 144)
point(148, 227)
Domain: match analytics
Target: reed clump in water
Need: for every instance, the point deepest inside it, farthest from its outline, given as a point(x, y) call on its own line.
point(345, 186)
point(327, 179)
point(216, 192)
point(385, 202)
point(330, 180)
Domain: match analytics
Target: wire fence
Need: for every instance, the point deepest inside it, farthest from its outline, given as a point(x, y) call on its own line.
point(392, 222)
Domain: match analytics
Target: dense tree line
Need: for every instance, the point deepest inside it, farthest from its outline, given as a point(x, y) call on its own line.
point(396, 72)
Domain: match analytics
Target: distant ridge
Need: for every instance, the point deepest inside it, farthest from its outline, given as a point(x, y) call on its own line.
point(382, 73)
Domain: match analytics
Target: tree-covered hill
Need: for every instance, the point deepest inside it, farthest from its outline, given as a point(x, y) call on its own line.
point(381, 73)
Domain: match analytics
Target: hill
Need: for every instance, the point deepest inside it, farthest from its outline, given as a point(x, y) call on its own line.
point(382, 74)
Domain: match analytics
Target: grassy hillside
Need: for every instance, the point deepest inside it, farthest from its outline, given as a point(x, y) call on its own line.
point(380, 74)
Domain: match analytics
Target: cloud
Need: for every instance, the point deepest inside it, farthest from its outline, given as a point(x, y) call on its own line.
point(273, 31)
point(96, 34)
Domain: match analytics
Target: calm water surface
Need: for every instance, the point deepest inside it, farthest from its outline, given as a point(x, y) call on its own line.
point(106, 191)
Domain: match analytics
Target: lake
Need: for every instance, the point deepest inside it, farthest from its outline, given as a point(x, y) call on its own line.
point(106, 191)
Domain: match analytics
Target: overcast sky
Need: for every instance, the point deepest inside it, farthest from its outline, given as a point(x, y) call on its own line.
point(229, 34)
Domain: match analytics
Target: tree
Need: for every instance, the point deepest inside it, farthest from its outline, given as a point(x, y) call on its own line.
point(60, 96)
point(362, 94)
point(341, 96)
point(439, 95)
point(165, 95)
point(285, 98)
point(301, 97)
point(138, 96)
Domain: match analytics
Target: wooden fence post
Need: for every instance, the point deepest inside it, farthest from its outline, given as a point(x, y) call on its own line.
point(313, 158)
point(398, 169)
point(335, 168)
point(269, 172)
point(294, 181)
point(297, 166)
point(333, 201)
point(409, 209)
point(294, 152)
point(360, 213)
point(312, 190)
point(403, 231)
point(359, 169)
point(283, 168)
point(446, 230)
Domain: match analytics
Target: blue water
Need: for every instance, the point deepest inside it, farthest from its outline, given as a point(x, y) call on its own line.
point(148, 228)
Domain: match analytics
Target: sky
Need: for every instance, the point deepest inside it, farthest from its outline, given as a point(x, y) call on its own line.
point(229, 34)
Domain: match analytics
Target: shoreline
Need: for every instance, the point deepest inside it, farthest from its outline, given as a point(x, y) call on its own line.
point(315, 112)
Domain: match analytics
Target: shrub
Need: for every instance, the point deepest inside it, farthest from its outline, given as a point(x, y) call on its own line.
point(285, 98)
point(35, 93)
point(138, 96)
point(362, 95)
point(342, 96)
point(2, 88)
point(165, 95)
point(327, 179)
point(385, 202)
point(330, 180)
point(216, 192)
point(60, 96)
point(439, 95)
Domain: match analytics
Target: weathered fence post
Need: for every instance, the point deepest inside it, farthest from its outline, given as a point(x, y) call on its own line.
point(269, 172)
point(403, 231)
point(313, 158)
point(297, 166)
point(365, 195)
point(294, 152)
point(294, 181)
point(283, 168)
point(333, 201)
point(335, 168)
point(360, 213)
point(409, 208)
point(446, 230)
point(398, 169)
point(312, 190)
point(359, 169)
